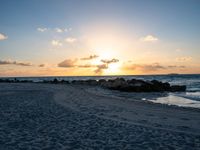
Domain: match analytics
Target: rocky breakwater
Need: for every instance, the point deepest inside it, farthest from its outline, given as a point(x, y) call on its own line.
point(134, 85)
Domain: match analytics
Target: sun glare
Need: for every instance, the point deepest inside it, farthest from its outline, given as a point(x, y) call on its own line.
point(113, 68)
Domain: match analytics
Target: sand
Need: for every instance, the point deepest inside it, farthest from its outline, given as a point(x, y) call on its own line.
point(49, 116)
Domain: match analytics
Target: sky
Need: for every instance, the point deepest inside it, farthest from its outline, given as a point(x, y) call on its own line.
point(99, 37)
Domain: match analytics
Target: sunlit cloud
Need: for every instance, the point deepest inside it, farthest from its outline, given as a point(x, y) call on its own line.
point(149, 38)
point(68, 63)
point(151, 68)
point(145, 67)
point(100, 68)
point(41, 65)
point(106, 61)
point(10, 62)
point(3, 36)
point(70, 40)
point(105, 65)
point(184, 59)
point(86, 66)
point(90, 57)
point(42, 29)
point(56, 43)
point(175, 66)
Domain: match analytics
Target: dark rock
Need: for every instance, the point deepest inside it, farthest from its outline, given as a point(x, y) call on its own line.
point(91, 82)
point(158, 86)
point(118, 83)
point(64, 81)
point(55, 81)
point(101, 81)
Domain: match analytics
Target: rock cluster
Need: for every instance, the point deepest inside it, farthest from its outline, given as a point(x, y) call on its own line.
point(133, 85)
point(15, 80)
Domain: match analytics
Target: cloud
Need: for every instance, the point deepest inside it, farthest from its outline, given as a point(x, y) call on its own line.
point(3, 36)
point(68, 63)
point(151, 67)
point(105, 65)
point(145, 67)
point(106, 61)
point(9, 62)
point(70, 40)
point(42, 29)
point(41, 65)
point(174, 66)
point(100, 68)
point(56, 43)
point(90, 57)
point(71, 63)
point(59, 30)
point(86, 66)
point(184, 59)
point(149, 38)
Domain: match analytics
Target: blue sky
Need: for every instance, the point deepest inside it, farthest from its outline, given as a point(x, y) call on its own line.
point(174, 23)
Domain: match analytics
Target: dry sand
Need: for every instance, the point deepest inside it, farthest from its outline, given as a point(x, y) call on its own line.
point(48, 116)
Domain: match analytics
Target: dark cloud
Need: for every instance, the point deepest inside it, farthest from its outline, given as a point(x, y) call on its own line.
point(68, 63)
point(9, 62)
point(106, 61)
point(90, 57)
point(100, 68)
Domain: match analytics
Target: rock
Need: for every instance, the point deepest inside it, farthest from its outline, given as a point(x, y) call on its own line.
point(158, 86)
point(55, 81)
point(101, 82)
point(135, 82)
point(77, 81)
point(64, 81)
point(91, 82)
point(118, 83)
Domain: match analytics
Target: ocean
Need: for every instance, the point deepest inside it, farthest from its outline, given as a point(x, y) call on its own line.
point(190, 98)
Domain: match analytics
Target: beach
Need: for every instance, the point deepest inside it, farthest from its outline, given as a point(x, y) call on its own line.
point(67, 116)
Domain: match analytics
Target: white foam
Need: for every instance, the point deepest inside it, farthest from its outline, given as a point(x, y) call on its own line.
point(177, 100)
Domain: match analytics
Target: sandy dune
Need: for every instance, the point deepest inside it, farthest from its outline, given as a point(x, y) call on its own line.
point(48, 116)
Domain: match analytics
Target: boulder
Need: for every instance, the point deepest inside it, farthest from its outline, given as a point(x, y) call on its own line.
point(91, 82)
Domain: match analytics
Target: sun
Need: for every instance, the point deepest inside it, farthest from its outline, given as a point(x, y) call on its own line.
point(113, 69)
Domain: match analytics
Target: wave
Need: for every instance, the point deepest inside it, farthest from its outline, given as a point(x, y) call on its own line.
point(189, 95)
